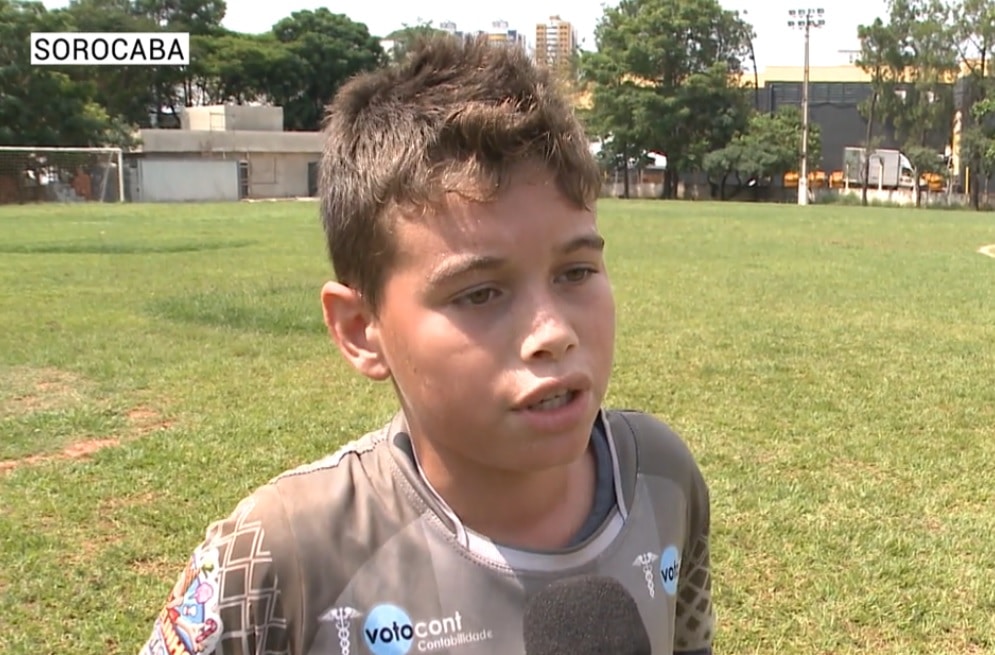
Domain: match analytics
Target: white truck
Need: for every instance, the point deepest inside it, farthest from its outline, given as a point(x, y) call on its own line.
point(889, 169)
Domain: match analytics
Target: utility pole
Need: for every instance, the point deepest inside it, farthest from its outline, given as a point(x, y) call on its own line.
point(741, 13)
point(805, 19)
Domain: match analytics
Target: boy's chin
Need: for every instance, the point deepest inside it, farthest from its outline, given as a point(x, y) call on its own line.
point(554, 453)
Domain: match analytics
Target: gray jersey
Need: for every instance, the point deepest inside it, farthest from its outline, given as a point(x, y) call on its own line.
point(355, 553)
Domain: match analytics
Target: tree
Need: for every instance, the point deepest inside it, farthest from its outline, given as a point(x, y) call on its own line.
point(334, 48)
point(880, 57)
point(127, 92)
point(242, 68)
point(193, 16)
point(299, 64)
point(44, 105)
point(978, 141)
point(171, 87)
point(769, 147)
point(404, 38)
point(618, 115)
point(665, 78)
point(974, 38)
point(924, 113)
point(974, 33)
point(146, 95)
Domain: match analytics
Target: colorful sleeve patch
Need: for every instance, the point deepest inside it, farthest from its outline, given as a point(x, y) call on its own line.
point(156, 645)
point(190, 623)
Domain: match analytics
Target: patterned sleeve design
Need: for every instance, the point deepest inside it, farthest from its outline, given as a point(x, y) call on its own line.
point(695, 615)
point(227, 600)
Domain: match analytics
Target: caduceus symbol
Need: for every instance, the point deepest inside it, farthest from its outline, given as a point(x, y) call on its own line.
point(343, 617)
point(646, 561)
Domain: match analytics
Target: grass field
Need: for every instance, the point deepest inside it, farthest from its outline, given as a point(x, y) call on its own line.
point(833, 368)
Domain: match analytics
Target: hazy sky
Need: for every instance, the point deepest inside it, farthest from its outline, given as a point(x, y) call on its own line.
point(776, 44)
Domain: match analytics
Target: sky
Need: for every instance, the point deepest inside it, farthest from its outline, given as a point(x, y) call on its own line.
point(776, 44)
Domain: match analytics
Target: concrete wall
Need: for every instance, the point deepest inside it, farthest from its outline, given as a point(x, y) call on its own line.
point(232, 118)
point(267, 175)
point(903, 197)
point(275, 164)
point(280, 175)
point(208, 141)
point(182, 180)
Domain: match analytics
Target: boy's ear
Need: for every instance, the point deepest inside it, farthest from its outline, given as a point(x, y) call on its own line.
point(355, 330)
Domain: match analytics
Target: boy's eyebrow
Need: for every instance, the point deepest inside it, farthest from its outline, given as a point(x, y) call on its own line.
point(461, 265)
point(593, 241)
point(454, 267)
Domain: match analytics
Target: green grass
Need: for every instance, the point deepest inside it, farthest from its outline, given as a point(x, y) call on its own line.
point(832, 367)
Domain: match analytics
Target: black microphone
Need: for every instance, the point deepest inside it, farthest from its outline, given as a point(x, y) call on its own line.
point(584, 615)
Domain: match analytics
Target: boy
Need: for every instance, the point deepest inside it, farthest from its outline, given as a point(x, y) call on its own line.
point(457, 196)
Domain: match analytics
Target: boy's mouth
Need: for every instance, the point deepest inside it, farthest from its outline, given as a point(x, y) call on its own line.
point(554, 401)
point(556, 407)
point(554, 394)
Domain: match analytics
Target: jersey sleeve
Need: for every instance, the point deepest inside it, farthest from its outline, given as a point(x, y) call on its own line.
point(695, 624)
point(238, 590)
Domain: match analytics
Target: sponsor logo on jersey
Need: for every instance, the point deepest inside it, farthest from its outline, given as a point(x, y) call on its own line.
point(646, 562)
point(342, 618)
point(670, 568)
point(390, 630)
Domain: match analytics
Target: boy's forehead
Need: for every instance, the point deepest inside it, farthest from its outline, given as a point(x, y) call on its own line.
point(442, 248)
point(438, 232)
point(524, 206)
point(462, 223)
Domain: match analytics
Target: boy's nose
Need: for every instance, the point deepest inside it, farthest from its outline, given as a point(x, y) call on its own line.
point(550, 336)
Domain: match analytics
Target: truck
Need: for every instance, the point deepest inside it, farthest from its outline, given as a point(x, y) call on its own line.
point(889, 169)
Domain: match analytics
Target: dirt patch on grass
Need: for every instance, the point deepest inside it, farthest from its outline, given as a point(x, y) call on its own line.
point(112, 504)
point(29, 390)
point(26, 390)
point(143, 420)
point(75, 450)
point(158, 568)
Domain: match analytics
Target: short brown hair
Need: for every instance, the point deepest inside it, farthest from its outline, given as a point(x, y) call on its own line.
point(454, 116)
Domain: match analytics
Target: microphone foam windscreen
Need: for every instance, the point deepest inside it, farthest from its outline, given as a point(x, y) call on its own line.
point(584, 615)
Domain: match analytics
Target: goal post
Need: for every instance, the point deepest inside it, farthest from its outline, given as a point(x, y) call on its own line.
point(55, 174)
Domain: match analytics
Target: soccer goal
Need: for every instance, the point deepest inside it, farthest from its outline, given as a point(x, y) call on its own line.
point(36, 174)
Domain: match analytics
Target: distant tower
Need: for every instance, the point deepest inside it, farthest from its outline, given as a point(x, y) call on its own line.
point(851, 55)
point(556, 41)
point(501, 33)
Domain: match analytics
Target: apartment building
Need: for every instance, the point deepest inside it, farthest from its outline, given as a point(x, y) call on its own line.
point(555, 43)
point(499, 33)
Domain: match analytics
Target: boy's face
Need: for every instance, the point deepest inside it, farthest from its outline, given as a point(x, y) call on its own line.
point(491, 308)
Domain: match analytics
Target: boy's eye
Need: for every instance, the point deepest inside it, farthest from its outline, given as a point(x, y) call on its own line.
point(578, 274)
point(478, 297)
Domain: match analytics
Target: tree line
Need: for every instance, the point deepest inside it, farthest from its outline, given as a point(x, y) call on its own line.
point(298, 65)
point(674, 77)
point(913, 56)
point(669, 76)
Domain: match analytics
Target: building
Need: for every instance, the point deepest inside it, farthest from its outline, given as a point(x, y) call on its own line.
point(501, 33)
point(555, 43)
point(835, 94)
point(223, 152)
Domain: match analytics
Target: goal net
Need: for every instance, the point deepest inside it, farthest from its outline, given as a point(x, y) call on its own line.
point(29, 175)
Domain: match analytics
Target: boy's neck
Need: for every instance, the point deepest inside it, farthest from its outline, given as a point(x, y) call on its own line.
point(543, 510)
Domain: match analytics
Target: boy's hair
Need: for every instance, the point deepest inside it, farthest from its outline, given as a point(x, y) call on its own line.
point(453, 117)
